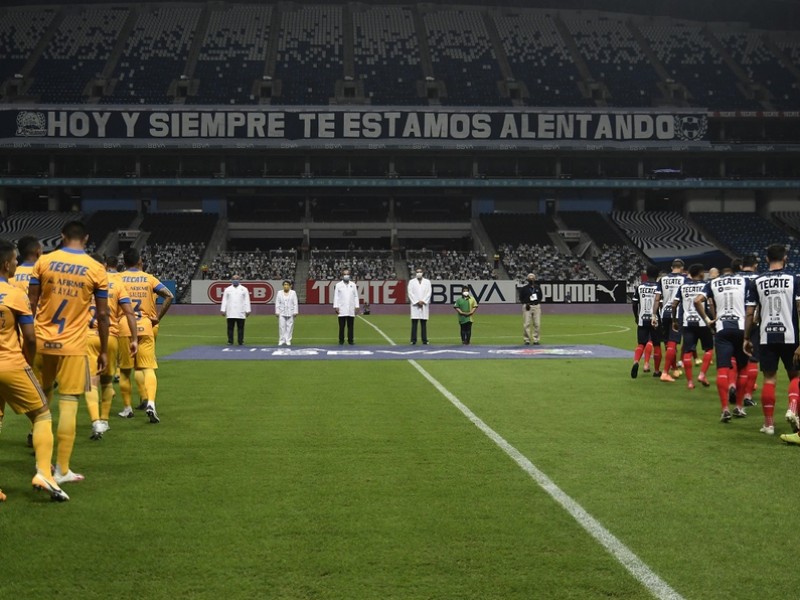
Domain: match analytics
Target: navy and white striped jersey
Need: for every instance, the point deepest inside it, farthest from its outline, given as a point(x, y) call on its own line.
point(686, 295)
point(777, 293)
point(729, 294)
point(668, 287)
point(644, 297)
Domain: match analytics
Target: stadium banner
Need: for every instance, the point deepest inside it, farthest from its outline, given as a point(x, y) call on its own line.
point(206, 291)
point(484, 291)
point(334, 128)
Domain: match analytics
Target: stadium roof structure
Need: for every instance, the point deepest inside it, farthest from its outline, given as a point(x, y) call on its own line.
point(766, 14)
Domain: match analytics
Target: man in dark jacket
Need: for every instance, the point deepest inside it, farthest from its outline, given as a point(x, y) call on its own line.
point(530, 295)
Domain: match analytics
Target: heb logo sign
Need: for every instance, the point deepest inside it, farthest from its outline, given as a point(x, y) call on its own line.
point(261, 292)
point(373, 292)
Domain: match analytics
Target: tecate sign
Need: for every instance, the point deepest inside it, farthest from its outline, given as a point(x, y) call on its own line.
point(261, 292)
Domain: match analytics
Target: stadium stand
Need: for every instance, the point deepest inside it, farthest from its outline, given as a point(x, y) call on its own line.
point(178, 227)
point(77, 53)
point(614, 57)
point(691, 59)
point(539, 57)
point(364, 265)
point(386, 54)
point(103, 222)
point(463, 57)
point(544, 260)
point(621, 262)
point(44, 225)
point(21, 28)
point(790, 220)
point(663, 235)
point(175, 261)
point(750, 51)
point(232, 55)
point(595, 225)
point(310, 54)
point(451, 264)
point(155, 55)
point(748, 233)
point(264, 265)
point(515, 229)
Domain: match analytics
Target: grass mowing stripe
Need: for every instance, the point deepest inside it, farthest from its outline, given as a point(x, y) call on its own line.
point(626, 557)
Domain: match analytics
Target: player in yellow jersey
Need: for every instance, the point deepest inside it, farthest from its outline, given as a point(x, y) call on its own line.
point(30, 249)
point(18, 387)
point(119, 308)
point(61, 289)
point(143, 289)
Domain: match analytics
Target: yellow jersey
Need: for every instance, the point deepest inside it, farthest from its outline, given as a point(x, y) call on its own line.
point(68, 280)
point(117, 296)
point(14, 309)
point(22, 277)
point(142, 288)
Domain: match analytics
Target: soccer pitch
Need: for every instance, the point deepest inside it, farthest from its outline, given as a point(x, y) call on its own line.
point(365, 479)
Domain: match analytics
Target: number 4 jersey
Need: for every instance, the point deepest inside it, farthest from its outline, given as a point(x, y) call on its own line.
point(777, 293)
point(68, 280)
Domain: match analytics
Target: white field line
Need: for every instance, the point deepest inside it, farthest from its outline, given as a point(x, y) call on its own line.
point(624, 555)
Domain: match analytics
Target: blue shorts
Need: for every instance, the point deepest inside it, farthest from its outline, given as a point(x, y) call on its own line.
point(667, 333)
point(730, 346)
point(647, 333)
point(693, 334)
point(771, 354)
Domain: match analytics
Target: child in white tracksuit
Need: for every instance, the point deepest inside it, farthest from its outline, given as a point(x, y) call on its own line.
point(286, 309)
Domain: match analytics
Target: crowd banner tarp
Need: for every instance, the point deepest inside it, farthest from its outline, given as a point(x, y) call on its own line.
point(420, 128)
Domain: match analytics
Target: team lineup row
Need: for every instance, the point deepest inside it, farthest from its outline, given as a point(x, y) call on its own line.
point(751, 320)
point(70, 319)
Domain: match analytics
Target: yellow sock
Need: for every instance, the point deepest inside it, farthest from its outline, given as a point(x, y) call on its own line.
point(93, 403)
point(151, 383)
point(43, 442)
point(67, 418)
point(141, 385)
point(125, 388)
point(108, 398)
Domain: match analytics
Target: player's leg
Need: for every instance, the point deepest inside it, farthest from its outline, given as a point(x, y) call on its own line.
point(146, 364)
point(240, 331)
point(527, 324)
point(770, 356)
point(141, 387)
point(725, 352)
point(107, 382)
point(707, 341)
point(642, 338)
point(93, 394)
point(690, 335)
point(73, 379)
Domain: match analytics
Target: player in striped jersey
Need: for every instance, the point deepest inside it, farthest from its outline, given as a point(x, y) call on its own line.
point(694, 328)
point(644, 307)
point(729, 294)
point(776, 293)
point(668, 287)
point(747, 380)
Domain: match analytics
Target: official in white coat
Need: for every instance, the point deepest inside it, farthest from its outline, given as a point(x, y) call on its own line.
point(286, 309)
point(419, 297)
point(236, 308)
point(345, 303)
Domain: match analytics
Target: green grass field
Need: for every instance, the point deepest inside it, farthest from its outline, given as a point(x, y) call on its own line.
point(360, 480)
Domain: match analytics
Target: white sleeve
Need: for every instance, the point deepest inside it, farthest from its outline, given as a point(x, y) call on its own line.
point(224, 301)
point(246, 300)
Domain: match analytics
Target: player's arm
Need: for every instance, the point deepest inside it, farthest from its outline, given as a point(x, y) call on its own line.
point(34, 289)
point(127, 313)
point(748, 328)
point(656, 309)
point(28, 340)
point(102, 328)
point(675, 324)
point(164, 292)
point(700, 307)
point(796, 357)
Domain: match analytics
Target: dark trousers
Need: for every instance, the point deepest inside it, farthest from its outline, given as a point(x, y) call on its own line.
point(239, 323)
point(349, 321)
point(466, 332)
point(424, 325)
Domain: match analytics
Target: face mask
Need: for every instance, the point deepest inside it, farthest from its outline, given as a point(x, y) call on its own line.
point(346, 278)
point(465, 294)
point(419, 275)
point(235, 282)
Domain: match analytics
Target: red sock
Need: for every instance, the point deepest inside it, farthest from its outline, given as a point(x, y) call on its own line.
point(722, 386)
point(648, 352)
point(733, 374)
point(741, 387)
point(768, 402)
point(637, 355)
point(794, 394)
point(687, 365)
point(707, 356)
point(752, 377)
point(669, 363)
point(657, 357)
